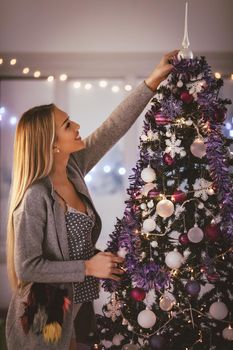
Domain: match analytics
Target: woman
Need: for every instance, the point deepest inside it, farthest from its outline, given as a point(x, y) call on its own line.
point(53, 225)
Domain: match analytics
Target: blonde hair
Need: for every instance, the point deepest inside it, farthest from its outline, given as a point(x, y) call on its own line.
point(32, 160)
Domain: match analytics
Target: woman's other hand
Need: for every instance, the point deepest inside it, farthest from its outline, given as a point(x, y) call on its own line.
point(104, 265)
point(161, 71)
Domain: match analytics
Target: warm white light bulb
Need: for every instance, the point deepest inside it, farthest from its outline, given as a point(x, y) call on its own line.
point(1, 60)
point(37, 74)
point(13, 120)
point(88, 178)
point(13, 61)
point(107, 168)
point(26, 70)
point(122, 171)
point(103, 83)
point(217, 75)
point(128, 87)
point(88, 86)
point(77, 84)
point(63, 77)
point(50, 78)
point(231, 76)
point(115, 88)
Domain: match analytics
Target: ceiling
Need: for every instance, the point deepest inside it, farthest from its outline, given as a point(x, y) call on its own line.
point(112, 38)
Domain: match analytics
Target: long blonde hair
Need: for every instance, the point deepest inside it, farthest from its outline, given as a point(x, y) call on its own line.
point(32, 160)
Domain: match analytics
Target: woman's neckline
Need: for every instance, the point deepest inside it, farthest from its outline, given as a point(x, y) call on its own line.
point(70, 207)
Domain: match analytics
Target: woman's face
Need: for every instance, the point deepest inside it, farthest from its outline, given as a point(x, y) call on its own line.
point(67, 138)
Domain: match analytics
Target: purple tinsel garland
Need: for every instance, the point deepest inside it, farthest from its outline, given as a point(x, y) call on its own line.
point(219, 171)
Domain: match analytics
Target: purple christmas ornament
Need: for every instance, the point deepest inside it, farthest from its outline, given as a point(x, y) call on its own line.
point(192, 288)
point(183, 239)
point(158, 342)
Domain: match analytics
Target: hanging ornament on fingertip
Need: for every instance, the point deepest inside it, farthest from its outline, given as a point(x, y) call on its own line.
point(185, 51)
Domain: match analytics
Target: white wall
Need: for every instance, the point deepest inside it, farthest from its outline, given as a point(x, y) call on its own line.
point(113, 25)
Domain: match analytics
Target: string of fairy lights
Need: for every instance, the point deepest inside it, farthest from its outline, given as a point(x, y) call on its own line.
point(62, 77)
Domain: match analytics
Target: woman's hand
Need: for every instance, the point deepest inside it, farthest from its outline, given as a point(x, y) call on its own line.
point(161, 71)
point(104, 265)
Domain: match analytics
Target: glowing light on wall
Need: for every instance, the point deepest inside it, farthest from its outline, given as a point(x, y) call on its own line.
point(103, 83)
point(122, 171)
point(107, 168)
point(13, 120)
point(88, 178)
point(77, 84)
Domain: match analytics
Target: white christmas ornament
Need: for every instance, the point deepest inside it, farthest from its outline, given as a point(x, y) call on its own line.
point(148, 174)
point(218, 310)
point(122, 252)
point(227, 333)
point(165, 208)
point(150, 204)
point(200, 205)
point(173, 146)
point(174, 259)
point(154, 244)
point(195, 234)
point(201, 187)
point(198, 148)
point(180, 83)
point(143, 206)
point(146, 318)
point(147, 188)
point(116, 340)
point(148, 225)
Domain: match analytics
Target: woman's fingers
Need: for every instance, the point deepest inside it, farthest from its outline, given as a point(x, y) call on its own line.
point(117, 271)
point(115, 278)
point(172, 53)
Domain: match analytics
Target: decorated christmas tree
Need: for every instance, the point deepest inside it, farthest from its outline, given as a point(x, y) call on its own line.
point(177, 230)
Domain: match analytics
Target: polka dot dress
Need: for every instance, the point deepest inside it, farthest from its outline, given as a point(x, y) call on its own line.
point(79, 227)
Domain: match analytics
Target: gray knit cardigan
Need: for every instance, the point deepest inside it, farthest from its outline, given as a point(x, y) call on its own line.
point(41, 247)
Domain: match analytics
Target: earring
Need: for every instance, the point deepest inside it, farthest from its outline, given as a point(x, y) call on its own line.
point(56, 149)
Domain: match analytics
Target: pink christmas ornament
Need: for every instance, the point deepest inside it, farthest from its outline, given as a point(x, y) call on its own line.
point(186, 97)
point(198, 148)
point(168, 159)
point(178, 196)
point(138, 294)
point(212, 232)
point(161, 119)
point(183, 239)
